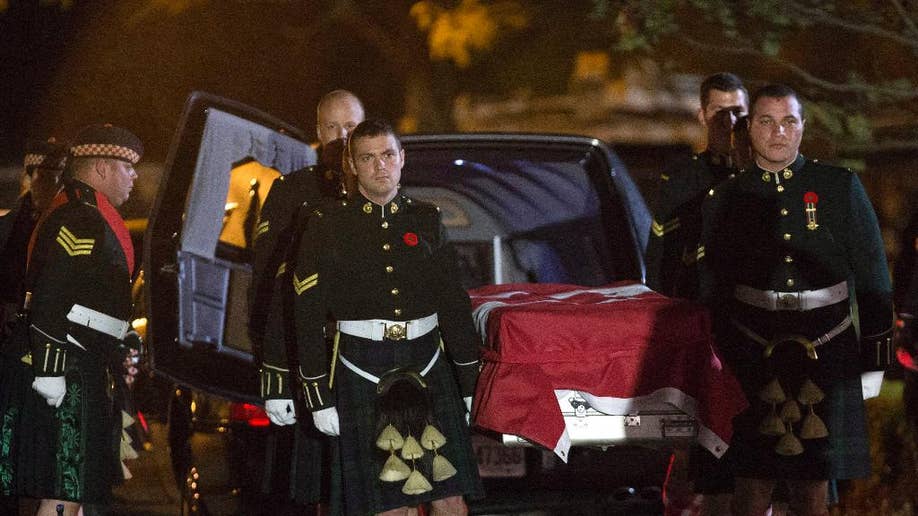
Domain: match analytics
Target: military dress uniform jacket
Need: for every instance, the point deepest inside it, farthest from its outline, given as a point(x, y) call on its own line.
point(759, 235)
point(675, 234)
point(276, 230)
point(365, 261)
point(82, 254)
point(277, 235)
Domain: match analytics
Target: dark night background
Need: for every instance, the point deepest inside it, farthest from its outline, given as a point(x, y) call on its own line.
point(114, 62)
point(133, 62)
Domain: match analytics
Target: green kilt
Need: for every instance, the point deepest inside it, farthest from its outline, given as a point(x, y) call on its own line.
point(70, 452)
point(361, 461)
point(844, 453)
point(15, 385)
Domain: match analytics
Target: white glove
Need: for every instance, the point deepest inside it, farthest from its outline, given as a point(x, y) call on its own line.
point(468, 409)
point(871, 381)
point(326, 421)
point(280, 412)
point(51, 388)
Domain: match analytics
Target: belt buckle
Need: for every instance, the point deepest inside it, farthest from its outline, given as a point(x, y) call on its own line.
point(396, 332)
point(788, 301)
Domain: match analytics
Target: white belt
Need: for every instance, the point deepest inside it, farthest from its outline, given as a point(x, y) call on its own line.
point(379, 329)
point(375, 379)
point(98, 321)
point(801, 301)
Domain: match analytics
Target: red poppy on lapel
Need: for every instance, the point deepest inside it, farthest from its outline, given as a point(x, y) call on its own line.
point(411, 239)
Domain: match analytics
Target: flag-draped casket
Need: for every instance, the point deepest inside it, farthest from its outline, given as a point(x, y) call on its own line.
point(622, 346)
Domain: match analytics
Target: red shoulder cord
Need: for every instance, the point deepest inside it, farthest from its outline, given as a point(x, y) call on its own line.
point(111, 216)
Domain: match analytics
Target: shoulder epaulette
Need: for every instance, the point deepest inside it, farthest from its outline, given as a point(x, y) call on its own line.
point(422, 206)
point(303, 171)
point(815, 163)
point(329, 206)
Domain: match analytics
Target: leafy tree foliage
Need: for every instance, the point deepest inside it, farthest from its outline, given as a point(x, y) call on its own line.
point(850, 58)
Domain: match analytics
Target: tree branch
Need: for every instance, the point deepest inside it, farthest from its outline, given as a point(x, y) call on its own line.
point(345, 11)
point(861, 28)
point(891, 93)
point(906, 19)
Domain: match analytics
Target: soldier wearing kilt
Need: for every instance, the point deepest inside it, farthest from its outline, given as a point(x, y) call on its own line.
point(277, 236)
point(405, 358)
point(795, 273)
point(80, 264)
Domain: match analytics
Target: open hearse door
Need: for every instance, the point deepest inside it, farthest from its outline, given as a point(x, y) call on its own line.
point(221, 163)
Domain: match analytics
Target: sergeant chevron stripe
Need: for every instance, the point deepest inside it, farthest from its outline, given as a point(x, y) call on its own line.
point(662, 229)
point(72, 245)
point(262, 228)
point(301, 285)
point(690, 257)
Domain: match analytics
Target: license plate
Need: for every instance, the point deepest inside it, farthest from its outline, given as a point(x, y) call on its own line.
point(496, 460)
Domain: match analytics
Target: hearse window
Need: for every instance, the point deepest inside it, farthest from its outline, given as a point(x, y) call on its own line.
point(248, 187)
point(545, 216)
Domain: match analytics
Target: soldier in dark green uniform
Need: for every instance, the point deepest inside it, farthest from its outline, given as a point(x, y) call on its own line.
point(380, 266)
point(280, 226)
point(795, 274)
point(79, 278)
point(672, 248)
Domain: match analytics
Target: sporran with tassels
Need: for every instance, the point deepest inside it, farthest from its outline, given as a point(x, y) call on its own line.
point(404, 440)
point(799, 372)
point(787, 423)
point(408, 427)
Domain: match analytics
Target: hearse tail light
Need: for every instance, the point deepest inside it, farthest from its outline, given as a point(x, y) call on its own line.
point(252, 415)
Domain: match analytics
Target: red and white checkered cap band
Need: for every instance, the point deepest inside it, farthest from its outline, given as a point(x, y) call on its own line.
point(105, 150)
point(32, 160)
